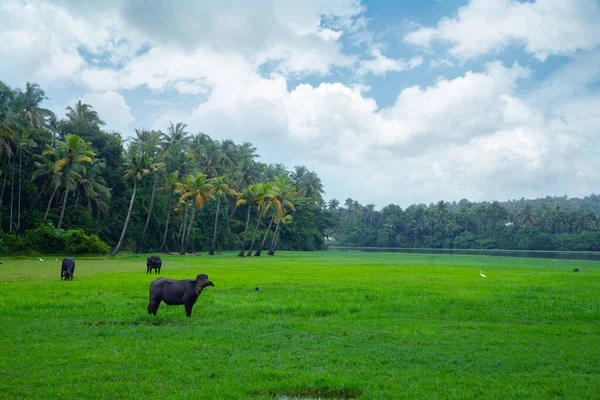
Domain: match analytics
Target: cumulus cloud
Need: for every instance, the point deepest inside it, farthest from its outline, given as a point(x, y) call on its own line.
point(380, 64)
point(474, 136)
point(542, 27)
point(111, 108)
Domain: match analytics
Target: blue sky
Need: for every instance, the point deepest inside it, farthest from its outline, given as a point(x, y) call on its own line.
point(389, 102)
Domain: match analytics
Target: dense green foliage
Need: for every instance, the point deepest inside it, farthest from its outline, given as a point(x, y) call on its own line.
point(553, 223)
point(323, 324)
point(173, 191)
point(168, 191)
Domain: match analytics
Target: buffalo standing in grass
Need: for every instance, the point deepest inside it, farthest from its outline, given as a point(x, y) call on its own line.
point(68, 269)
point(174, 292)
point(153, 263)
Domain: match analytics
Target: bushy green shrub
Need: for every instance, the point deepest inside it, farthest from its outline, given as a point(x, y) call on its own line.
point(14, 244)
point(48, 240)
point(45, 239)
point(78, 242)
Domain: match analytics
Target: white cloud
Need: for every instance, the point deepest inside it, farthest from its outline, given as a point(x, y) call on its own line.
point(543, 27)
point(43, 41)
point(111, 108)
point(473, 136)
point(380, 64)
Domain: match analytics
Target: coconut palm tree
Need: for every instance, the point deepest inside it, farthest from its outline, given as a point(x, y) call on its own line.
point(527, 216)
point(157, 169)
point(136, 167)
point(286, 220)
point(283, 191)
point(249, 196)
point(200, 190)
point(83, 114)
point(170, 181)
point(27, 105)
point(265, 199)
point(176, 136)
point(73, 151)
point(221, 187)
point(307, 183)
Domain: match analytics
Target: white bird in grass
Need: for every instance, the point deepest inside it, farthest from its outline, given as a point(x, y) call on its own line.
point(482, 275)
point(56, 259)
point(41, 259)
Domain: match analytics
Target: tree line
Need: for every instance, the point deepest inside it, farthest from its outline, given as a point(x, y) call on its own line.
point(551, 223)
point(69, 185)
point(166, 191)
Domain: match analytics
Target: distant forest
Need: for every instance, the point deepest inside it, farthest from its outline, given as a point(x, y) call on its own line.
point(69, 186)
point(550, 223)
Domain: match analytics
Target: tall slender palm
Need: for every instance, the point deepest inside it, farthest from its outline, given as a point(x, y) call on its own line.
point(28, 105)
point(283, 192)
point(90, 184)
point(44, 169)
point(84, 114)
point(170, 181)
point(158, 169)
point(73, 151)
point(22, 143)
point(249, 196)
point(176, 136)
point(200, 190)
point(286, 220)
point(221, 188)
point(308, 184)
point(136, 167)
point(265, 199)
point(207, 154)
point(527, 216)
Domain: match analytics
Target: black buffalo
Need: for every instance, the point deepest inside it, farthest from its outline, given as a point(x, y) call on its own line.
point(67, 269)
point(174, 292)
point(153, 263)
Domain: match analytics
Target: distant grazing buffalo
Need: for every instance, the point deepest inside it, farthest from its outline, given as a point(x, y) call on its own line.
point(67, 269)
point(174, 292)
point(153, 262)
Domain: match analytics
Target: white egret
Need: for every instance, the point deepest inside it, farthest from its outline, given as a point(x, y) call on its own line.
point(482, 275)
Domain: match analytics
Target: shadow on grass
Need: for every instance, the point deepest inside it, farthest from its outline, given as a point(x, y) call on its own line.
point(310, 393)
point(140, 322)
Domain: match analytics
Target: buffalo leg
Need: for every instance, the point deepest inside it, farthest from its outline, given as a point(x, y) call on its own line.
point(153, 307)
point(188, 309)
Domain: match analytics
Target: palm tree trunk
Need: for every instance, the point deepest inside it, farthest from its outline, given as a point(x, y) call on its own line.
point(12, 191)
point(3, 185)
point(116, 250)
point(164, 240)
point(139, 245)
point(97, 215)
point(62, 210)
point(233, 212)
point(76, 201)
point(272, 253)
point(189, 231)
point(214, 241)
point(257, 254)
point(245, 232)
point(272, 248)
point(50, 202)
point(260, 215)
point(19, 205)
point(183, 227)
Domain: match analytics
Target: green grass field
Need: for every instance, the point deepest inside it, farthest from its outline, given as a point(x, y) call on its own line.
point(328, 325)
